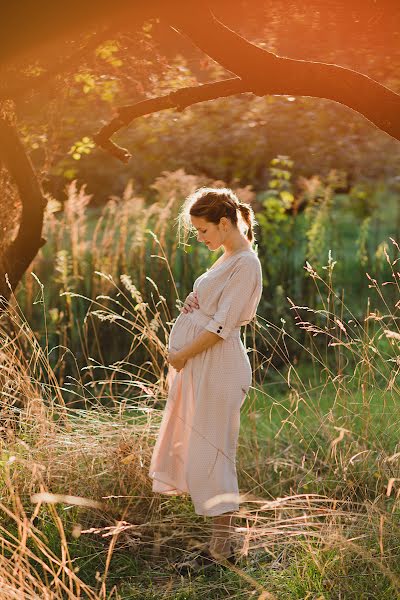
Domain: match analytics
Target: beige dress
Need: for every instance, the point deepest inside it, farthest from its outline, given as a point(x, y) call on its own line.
point(195, 451)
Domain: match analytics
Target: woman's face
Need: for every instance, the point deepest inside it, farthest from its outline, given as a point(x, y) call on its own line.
point(207, 233)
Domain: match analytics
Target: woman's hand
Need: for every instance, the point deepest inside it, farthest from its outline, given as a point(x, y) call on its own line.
point(190, 303)
point(175, 359)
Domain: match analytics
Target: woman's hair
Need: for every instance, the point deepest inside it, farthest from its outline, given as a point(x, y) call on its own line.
point(214, 203)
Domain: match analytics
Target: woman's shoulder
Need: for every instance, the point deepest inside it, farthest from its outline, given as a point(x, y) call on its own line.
point(248, 262)
point(248, 257)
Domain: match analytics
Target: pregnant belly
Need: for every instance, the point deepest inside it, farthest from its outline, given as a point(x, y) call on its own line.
point(180, 334)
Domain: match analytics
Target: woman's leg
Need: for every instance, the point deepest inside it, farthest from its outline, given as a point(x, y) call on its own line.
point(221, 534)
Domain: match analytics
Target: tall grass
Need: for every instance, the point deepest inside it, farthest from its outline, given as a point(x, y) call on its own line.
point(135, 235)
point(318, 459)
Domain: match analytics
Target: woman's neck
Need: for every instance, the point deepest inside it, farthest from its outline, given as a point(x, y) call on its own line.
point(228, 252)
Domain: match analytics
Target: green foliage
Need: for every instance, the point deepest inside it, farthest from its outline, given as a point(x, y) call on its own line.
point(83, 146)
point(106, 51)
point(362, 251)
point(276, 225)
point(87, 80)
point(320, 216)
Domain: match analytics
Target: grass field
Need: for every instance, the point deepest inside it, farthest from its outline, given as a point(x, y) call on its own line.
point(318, 468)
point(318, 458)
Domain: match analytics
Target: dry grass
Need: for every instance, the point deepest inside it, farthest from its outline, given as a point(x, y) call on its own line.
point(318, 472)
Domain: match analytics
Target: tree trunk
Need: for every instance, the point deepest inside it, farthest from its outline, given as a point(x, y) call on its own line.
point(17, 257)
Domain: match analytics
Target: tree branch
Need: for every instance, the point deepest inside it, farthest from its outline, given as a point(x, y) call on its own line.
point(267, 73)
point(259, 72)
point(179, 100)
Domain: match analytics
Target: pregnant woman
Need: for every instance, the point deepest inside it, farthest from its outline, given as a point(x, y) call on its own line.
point(209, 371)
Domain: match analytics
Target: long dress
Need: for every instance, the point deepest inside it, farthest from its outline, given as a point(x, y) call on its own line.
point(195, 450)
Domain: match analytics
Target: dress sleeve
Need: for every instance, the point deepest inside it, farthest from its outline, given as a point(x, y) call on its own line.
point(239, 299)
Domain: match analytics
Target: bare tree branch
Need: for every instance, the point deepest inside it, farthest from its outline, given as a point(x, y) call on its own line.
point(259, 72)
point(179, 100)
point(266, 73)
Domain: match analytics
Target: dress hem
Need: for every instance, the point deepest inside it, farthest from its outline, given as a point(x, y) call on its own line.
point(159, 481)
point(226, 509)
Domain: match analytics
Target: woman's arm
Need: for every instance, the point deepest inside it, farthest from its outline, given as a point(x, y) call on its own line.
point(205, 340)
